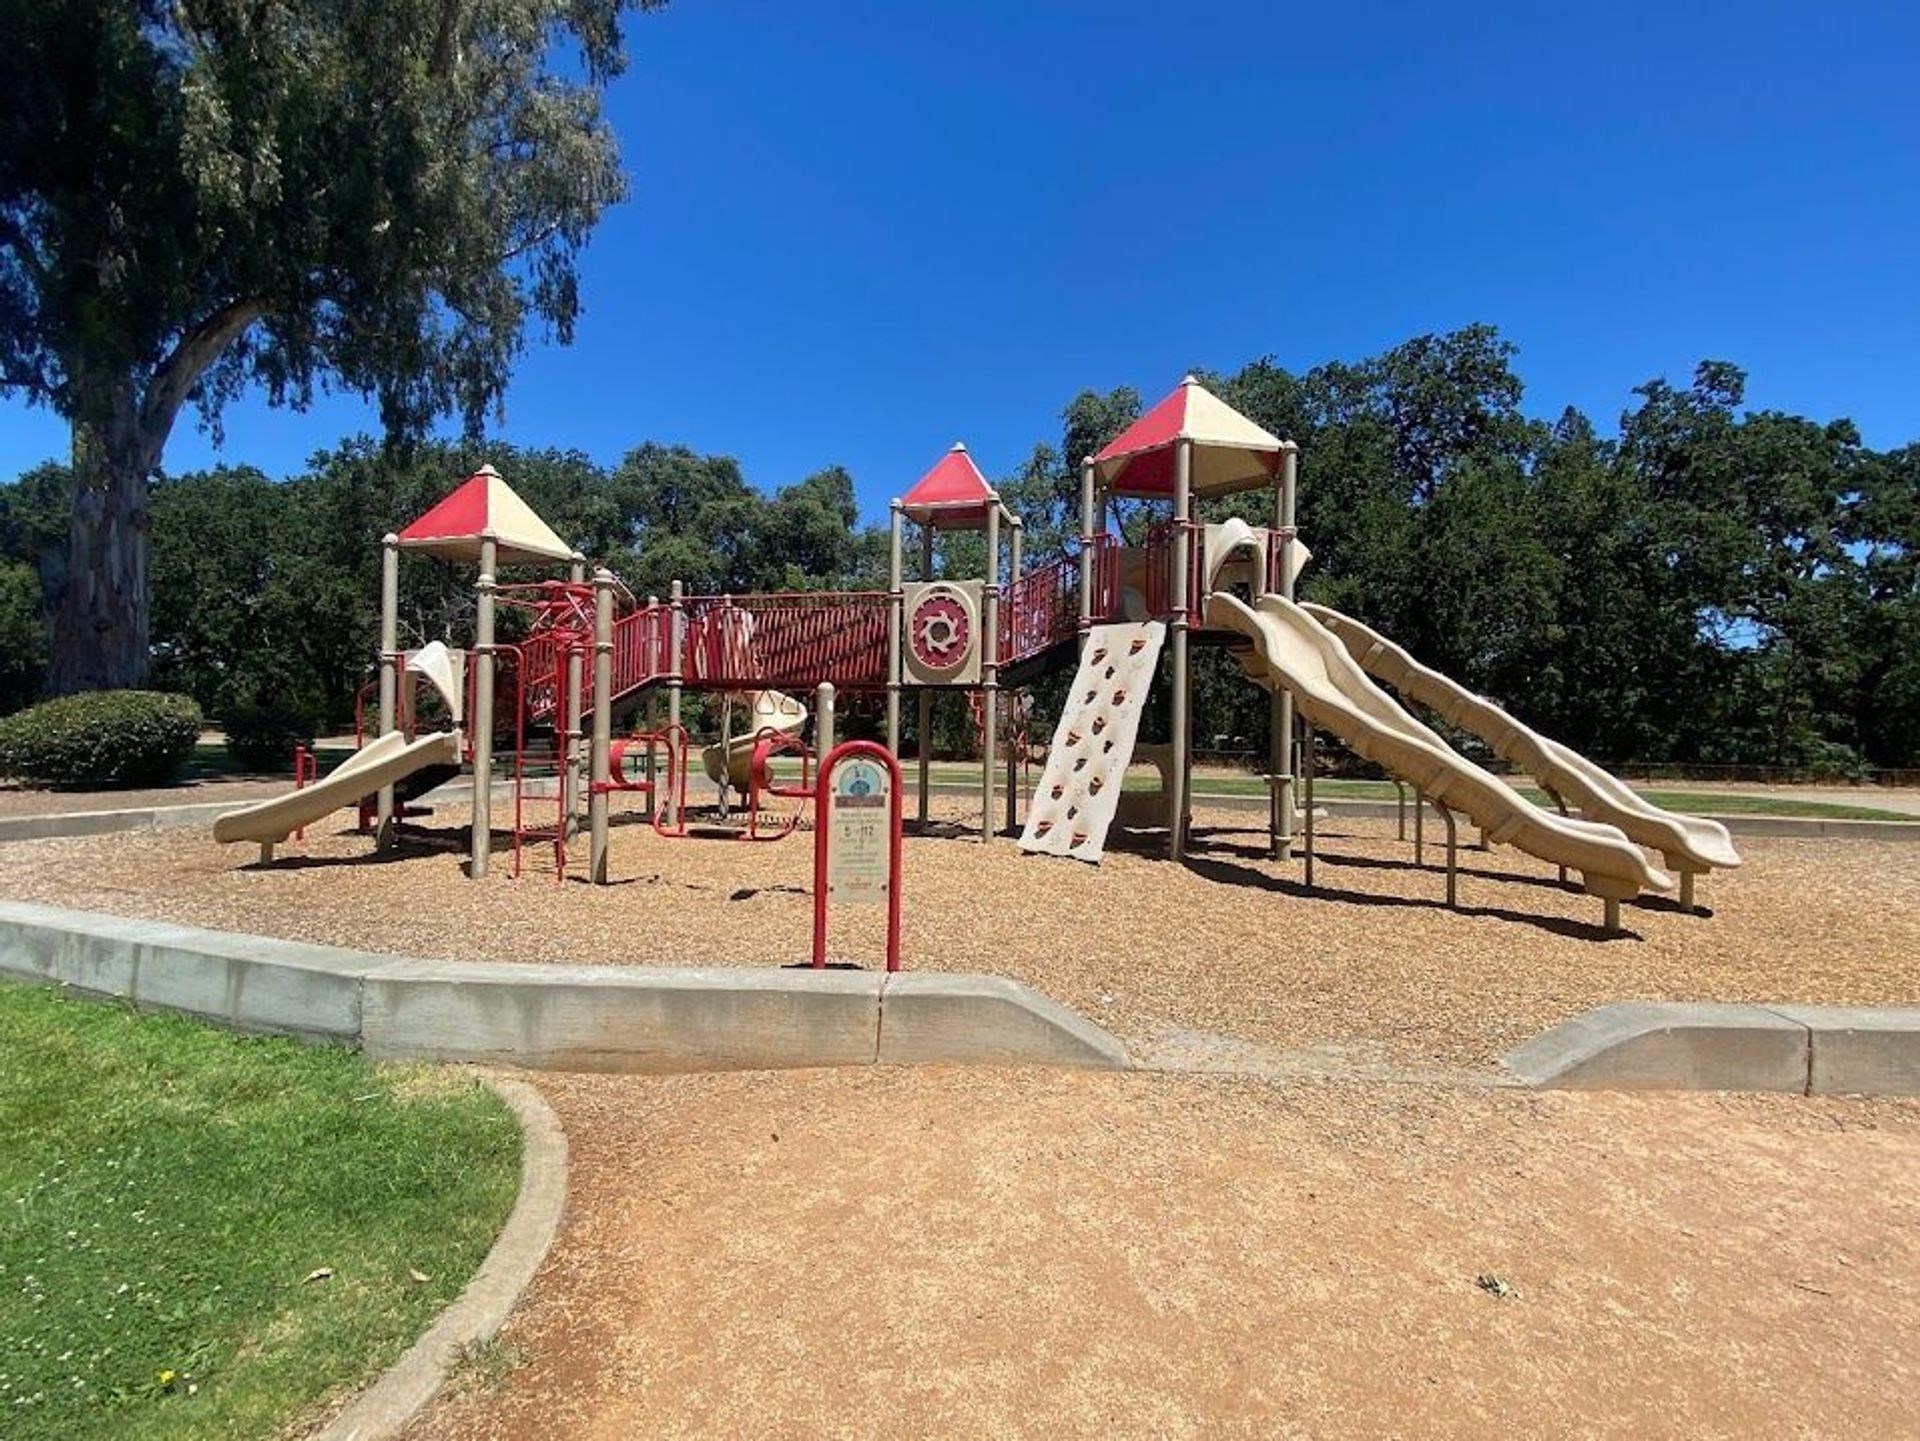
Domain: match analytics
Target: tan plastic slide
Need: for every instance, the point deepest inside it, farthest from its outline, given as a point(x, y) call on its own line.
point(1292, 649)
point(768, 710)
point(379, 763)
point(1689, 843)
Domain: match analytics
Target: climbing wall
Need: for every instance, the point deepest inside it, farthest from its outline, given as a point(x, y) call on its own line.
point(1080, 787)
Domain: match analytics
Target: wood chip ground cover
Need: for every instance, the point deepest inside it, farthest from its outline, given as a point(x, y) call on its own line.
point(1370, 963)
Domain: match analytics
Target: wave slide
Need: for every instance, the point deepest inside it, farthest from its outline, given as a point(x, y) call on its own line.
point(1293, 650)
point(390, 758)
point(1689, 844)
point(768, 710)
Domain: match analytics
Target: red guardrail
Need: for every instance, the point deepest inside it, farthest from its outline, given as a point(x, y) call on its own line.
point(793, 640)
point(1160, 543)
point(1042, 608)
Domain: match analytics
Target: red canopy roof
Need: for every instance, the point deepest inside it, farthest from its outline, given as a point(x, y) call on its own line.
point(1230, 452)
point(954, 492)
point(480, 503)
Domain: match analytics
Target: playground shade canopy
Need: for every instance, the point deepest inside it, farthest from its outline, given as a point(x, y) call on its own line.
point(953, 493)
point(480, 503)
point(1230, 452)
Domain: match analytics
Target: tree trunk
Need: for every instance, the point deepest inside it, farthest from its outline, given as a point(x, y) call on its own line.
point(100, 631)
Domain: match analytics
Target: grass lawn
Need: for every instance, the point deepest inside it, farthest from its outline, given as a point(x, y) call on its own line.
point(1719, 803)
point(173, 1198)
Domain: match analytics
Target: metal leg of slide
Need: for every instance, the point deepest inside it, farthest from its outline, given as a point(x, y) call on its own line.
point(1400, 820)
point(1453, 854)
point(1563, 810)
point(1306, 776)
point(1686, 890)
point(1610, 916)
point(1419, 829)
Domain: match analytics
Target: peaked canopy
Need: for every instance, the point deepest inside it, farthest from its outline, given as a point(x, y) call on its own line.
point(954, 492)
point(483, 502)
point(1230, 452)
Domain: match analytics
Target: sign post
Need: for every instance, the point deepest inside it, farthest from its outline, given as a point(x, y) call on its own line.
point(856, 838)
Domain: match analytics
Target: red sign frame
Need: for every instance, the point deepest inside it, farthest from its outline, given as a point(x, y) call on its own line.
point(822, 818)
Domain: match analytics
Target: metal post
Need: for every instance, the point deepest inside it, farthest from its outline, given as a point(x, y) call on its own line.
point(572, 762)
point(482, 840)
point(1562, 805)
point(823, 719)
point(653, 769)
point(389, 668)
point(676, 680)
point(1686, 891)
point(990, 670)
point(1182, 513)
point(926, 695)
point(1610, 915)
point(1453, 852)
point(1419, 832)
point(1086, 550)
point(602, 769)
point(1306, 770)
point(896, 621)
point(1400, 800)
point(1280, 707)
point(1013, 765)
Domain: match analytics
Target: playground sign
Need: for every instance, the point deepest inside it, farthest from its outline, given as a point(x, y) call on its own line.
point(856, 839)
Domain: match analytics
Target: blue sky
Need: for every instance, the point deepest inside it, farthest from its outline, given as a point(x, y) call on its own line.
point(860, 231)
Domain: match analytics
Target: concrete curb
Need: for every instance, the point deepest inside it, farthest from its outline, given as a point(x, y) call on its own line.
point(391, 1402)
point(1804, 1050)
point(597, 1018)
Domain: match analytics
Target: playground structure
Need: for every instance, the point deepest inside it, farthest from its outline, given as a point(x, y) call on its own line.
point(593, 656)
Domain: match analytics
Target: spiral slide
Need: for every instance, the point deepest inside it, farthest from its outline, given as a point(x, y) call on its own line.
point(1688, 843)
point(1293, 650)
point(768, 710)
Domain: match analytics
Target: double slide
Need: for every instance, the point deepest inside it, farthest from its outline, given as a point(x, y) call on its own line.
point(381, 762)
point(1688, 843)
point(1292, 649)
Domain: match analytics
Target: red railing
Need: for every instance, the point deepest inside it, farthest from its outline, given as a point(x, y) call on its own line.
point(1160, 543)
point(1042, 608)
point(642, 652)
point(790, 641)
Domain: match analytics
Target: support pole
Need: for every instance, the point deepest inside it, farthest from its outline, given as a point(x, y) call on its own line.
point(572, 761)
point(1453, 852)
point(1280, 716)
point(653, 769)
point(1086, 550)
point(482, 839)
point(602, 768)
point(1182, 556)
point(823, 719)
point(1686, 891)
point(1610, 916)
point(676, 682)
point(1562, 806)
point(389, 670)
point(896, 622)
point(990, 671)
point(1013, 629)
point(1400, 800)
point(1306, 770)
point(926, 696)
point(1419, 828)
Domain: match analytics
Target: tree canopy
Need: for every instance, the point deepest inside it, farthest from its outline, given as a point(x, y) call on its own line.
point(205, 195)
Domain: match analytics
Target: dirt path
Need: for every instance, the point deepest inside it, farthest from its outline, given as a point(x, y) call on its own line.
point(894, 1253)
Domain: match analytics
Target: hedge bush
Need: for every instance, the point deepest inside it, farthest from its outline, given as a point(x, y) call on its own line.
point(262, 736)
point(101, 738)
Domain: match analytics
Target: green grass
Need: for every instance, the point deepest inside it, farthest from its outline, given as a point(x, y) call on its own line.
point(1721, 803)
point(212, 761)
point(165, 1190)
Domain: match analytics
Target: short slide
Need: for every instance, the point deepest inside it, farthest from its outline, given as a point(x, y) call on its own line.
point(379, 763)
point(1293, 650)
point(1689, 843)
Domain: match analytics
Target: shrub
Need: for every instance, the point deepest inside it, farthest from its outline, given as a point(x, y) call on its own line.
point(101, 738)
point(261, 735)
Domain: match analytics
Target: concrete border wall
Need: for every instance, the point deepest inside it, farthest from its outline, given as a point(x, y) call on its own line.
point(559, 1017)
point(1806, 1050)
